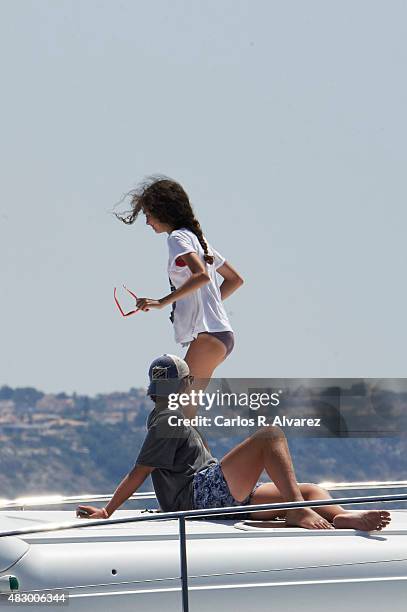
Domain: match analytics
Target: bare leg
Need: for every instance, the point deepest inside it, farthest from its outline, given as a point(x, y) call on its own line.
point(267, 449)
point(204, 355)
point(365, 520)
point(268, 493)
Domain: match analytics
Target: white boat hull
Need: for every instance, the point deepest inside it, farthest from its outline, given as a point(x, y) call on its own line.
point(231, 566)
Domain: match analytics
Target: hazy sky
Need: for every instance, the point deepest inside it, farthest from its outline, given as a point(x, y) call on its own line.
point(286, 124)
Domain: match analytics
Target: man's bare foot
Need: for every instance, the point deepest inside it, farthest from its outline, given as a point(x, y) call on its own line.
point(306, 518)
point(364, 520)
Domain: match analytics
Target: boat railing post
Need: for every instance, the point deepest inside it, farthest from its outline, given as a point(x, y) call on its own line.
point(183, 562)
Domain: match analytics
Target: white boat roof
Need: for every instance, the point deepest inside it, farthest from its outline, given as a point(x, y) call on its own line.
point(163, 530)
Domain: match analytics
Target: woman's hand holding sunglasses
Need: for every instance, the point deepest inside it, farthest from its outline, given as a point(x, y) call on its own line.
point(131, 312)
point(145, 304)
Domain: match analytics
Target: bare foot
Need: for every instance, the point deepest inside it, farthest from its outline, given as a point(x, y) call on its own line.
point(307, 518)
point(364, 520)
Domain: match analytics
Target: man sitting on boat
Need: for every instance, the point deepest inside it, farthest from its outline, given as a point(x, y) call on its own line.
point(186, 476)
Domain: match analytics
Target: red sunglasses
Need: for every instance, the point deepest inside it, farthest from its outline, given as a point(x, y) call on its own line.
point(131, 312)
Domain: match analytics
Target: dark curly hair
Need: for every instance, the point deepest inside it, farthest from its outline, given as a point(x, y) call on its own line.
point(168, 202)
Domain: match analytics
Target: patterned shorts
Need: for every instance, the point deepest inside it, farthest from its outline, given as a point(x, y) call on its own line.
point(211, 490)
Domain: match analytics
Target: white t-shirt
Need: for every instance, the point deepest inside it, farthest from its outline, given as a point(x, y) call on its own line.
point(201, 310)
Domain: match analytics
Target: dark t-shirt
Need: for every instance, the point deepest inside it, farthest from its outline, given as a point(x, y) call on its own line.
point(176, 452)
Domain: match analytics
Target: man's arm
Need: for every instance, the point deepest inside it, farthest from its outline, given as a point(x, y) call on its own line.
point(126, 488)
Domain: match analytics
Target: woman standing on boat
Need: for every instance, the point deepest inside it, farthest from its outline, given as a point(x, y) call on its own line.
point(198, 314)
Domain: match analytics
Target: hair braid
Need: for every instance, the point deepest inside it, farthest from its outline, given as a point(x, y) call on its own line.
point(194, 226)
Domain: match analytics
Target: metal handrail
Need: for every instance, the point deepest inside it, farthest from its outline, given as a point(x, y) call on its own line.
point(372, 484)
point(188, 514)
point(56, 500)
point(182, 515)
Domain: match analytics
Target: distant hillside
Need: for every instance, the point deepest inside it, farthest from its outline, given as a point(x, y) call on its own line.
point(75, 444)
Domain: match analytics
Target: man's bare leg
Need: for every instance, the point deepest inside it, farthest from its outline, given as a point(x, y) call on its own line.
point(268, 493)
point(267, 449)
point(365, 520)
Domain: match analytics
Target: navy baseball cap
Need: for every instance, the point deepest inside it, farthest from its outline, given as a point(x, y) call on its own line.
point(165, 374)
